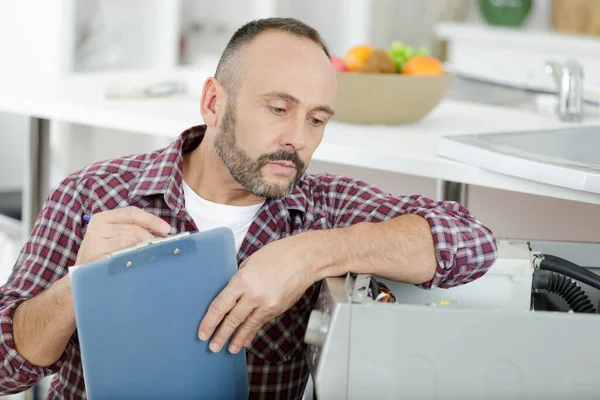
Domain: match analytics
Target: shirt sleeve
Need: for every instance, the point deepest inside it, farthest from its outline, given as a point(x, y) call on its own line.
point(464, 247)
point(52, 247)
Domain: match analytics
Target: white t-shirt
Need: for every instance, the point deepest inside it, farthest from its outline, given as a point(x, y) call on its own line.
point(208, 215)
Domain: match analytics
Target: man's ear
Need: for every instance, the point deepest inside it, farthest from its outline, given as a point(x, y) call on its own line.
point(213, 95)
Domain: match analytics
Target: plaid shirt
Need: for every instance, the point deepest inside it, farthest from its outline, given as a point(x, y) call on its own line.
point(276, 360)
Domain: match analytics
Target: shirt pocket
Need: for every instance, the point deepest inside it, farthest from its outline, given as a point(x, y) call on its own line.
point(280, 339)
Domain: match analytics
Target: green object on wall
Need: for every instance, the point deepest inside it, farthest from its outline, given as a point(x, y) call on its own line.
point(505, 12)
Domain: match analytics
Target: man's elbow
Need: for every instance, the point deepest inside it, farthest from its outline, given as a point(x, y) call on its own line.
point(465, 265)
point(17, 374)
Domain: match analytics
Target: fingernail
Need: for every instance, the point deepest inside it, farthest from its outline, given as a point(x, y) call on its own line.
point(214, 347)
point(165, 228)
point(202, 336)
point(233, 349)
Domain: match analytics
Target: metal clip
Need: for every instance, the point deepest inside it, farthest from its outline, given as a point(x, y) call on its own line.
point(149, 243)
point(537, 259)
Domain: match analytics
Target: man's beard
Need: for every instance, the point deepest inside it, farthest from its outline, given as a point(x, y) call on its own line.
point(245, 170)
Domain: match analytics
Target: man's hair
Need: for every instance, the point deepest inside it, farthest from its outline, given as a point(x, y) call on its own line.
point(228, 68)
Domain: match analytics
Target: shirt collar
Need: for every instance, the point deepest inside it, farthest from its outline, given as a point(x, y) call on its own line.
point(164, 176)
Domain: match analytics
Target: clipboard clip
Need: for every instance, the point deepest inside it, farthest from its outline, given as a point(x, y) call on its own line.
point(150, 242)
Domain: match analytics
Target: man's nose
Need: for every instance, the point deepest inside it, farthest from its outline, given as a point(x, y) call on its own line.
point(295, 135)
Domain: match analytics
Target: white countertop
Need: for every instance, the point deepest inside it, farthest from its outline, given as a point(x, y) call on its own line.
point(409, 149)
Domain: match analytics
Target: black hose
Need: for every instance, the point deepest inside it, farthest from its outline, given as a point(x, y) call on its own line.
point(564, 267)
point(567, 289)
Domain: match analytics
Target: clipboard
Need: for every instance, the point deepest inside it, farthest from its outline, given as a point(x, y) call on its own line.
point(138, 313)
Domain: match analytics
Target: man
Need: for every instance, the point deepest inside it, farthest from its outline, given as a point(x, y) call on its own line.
point(264, 113)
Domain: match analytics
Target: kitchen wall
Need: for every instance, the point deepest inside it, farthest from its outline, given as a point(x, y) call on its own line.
point(28, 51)
point(209, 24)
point(128, 34)
point(411, 21)
point(12, 142)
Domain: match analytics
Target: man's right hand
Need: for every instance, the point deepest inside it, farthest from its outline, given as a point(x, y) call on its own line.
point(43, 325)
point(118, 229)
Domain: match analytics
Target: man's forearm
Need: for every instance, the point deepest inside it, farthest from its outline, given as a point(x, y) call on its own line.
point(43, 325)
point(400, 249)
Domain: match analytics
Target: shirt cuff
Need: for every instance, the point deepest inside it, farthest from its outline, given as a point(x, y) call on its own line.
point(457, 263)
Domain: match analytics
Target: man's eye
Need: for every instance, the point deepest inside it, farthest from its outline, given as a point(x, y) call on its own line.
point(316, 122)
point(277, 110)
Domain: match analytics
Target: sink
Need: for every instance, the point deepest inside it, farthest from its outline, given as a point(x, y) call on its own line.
point(479, 91)
point(565, 157)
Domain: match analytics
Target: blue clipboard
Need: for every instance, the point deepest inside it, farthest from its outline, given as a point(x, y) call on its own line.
point(138, 314)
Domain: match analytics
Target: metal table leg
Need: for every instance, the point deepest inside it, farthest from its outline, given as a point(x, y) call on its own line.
point(453, 191)
point(36, 188)
point(36, 184)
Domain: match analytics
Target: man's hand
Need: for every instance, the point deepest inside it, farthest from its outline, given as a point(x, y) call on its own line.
point(268, 283)
point(43, 325)
point(118, 229)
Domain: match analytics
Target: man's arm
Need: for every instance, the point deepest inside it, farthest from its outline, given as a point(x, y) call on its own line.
point(37, 318)
point(31, 318)
point(411, 239)
point(43, 325)
point(401, 249)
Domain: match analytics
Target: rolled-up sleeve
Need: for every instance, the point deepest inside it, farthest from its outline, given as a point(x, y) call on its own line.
point(45, 257)
point(465, 248)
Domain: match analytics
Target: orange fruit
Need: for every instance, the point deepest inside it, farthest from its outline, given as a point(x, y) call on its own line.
point(357, 56)
point(423, 65)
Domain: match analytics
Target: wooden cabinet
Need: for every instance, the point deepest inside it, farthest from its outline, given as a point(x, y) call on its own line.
point(576, 16)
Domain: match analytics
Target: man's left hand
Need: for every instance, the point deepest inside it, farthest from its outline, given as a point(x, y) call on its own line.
point(268, 283)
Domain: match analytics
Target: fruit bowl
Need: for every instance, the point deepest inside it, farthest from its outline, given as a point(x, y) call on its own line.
point(400, 85)
point(388, 99)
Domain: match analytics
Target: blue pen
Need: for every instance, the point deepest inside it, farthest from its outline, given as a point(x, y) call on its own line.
point(87, 218)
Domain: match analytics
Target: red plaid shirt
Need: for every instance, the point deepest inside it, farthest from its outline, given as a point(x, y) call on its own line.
point(276, 360)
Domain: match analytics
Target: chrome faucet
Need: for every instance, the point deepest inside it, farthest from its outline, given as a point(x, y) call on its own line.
point(569, 82)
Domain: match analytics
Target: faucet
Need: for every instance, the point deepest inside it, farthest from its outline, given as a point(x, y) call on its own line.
point(569, 80)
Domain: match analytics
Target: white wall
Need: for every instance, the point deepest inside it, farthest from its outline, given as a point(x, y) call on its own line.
point(32, 34)
point(32, 42)
point(208, 25)
point(126, 34)
point(341, 23)
point(12, 149)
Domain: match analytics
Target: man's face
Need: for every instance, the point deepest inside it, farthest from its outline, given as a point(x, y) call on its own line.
point(276, 118)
